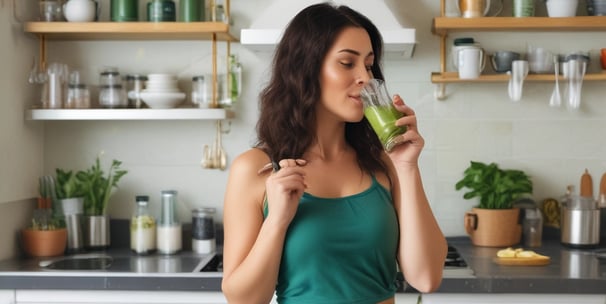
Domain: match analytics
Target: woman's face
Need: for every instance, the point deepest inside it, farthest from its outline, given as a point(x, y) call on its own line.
point(345, 70)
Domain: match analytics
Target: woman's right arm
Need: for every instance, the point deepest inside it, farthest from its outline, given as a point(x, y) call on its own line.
point(253, 246)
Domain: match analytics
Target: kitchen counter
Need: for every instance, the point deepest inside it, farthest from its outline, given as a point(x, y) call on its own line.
point(570, 271)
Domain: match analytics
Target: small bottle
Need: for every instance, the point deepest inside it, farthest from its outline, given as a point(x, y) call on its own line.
point(234, 82)
point(142, 227)
point(203, 230)
point(169, 229)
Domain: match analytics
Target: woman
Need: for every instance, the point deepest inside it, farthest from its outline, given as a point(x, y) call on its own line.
point(328, 223)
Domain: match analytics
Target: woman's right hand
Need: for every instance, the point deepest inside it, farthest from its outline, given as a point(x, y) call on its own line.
point(285, 188)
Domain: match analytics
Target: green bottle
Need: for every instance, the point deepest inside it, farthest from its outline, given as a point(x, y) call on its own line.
point(235, 79)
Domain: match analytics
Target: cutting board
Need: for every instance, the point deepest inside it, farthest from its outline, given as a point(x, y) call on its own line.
point(535, 261)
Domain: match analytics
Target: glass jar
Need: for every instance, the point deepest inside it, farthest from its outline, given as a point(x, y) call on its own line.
point(134, 85)
point(112, 96)
point(169, 229)
point(234, 82)
point(142, 227)
point(200, 91)
point(161, 10)
point(203, 230)
point(78, 97)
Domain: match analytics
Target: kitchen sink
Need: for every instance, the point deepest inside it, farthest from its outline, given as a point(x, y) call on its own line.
point(79, 262)
point(130, 262)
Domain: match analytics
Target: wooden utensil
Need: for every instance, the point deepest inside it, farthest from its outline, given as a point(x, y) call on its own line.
point(602, 195)
point(586, 185)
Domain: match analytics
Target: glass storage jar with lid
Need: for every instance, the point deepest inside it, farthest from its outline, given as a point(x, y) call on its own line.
point(203, 230)
point(169, 229)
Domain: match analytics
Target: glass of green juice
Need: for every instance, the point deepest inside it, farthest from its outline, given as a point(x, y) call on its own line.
point(381, 114)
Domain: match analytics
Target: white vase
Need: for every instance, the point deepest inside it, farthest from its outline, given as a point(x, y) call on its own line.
point(80, 10)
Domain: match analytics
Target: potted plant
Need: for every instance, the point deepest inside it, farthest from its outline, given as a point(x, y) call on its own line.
point(70, 198)
point(46, 235)
point(97, 191)
point(494, 221)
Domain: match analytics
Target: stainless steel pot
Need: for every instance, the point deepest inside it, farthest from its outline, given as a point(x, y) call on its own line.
point(580, 222)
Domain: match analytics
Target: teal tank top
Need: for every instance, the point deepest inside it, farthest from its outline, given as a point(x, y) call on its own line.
point(340, 250)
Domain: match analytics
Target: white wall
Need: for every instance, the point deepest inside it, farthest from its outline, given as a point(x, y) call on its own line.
point(476, 122)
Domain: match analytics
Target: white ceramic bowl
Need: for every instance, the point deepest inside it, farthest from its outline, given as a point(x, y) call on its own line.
point(162, 100)
point(161, 77)
point(562, 8)
point(161, 85)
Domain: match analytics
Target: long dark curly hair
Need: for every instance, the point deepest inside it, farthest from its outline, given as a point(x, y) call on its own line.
point(287, 122)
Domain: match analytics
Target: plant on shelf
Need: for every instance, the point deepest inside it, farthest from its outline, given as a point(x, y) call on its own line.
point(46, 235)
point(496, 188)
point(98, 188)
point(494, 221)
point(68, 185)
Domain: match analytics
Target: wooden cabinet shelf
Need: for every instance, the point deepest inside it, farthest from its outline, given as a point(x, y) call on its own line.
point(443, 25)
point(453, 77)
point(131, 30)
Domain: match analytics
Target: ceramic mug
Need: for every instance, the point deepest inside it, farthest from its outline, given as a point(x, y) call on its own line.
point(470, 62)
point(124, 10)
point(501, 60)
point(80, 10)
point(473, 8)
point(523, 8)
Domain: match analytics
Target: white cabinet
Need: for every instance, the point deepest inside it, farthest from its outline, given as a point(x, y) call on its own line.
point(446, 298)
point(116, 297)
point(7, 296)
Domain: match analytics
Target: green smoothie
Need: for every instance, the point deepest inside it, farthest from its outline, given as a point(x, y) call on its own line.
point(382, 119)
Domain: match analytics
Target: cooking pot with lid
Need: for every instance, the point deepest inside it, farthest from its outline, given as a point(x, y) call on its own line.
point(580, 222)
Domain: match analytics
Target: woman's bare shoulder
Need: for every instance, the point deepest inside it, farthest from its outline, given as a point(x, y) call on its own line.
point(250, 161)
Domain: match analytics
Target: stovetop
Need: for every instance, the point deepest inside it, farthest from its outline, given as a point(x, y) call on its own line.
point(455, 266)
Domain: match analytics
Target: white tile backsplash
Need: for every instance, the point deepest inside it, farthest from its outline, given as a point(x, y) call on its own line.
point(476, 122)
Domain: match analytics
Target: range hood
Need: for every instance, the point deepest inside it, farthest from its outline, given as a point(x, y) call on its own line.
point(266, 30)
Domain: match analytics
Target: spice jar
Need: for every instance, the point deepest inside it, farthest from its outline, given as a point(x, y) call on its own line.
point(78, 97)
point(203, 230)
point(142, 227)
point(134, 85)
point(169, 228)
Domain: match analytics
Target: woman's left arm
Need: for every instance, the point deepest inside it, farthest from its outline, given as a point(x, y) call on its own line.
point(422, 247)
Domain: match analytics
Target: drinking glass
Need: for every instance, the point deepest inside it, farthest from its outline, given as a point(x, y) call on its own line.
point(381, 114)
point(51, 10)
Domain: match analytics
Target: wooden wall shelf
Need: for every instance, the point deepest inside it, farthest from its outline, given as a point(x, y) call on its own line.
point(443, 25)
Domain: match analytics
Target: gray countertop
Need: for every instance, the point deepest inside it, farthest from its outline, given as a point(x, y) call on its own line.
point(570, 271)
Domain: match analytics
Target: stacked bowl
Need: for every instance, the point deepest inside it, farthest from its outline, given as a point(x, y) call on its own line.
point(161, 92)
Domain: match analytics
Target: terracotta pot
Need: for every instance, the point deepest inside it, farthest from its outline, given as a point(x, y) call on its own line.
point(44, 243)
point(493, 227)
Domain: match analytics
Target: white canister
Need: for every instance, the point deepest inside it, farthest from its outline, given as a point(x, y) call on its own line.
point(80, 10)
point(470, 62)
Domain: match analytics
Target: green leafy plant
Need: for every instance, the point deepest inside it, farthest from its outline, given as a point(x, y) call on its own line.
point(68, 185)
point(98, 188)
point(47, 215)
point(497, 188)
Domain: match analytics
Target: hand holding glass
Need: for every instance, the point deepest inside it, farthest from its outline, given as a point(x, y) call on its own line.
point(381, 114)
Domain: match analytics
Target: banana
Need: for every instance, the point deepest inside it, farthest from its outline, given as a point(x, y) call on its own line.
point(518, 253)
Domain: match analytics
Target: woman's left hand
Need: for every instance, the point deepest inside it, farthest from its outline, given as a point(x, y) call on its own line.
point(408, 152)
